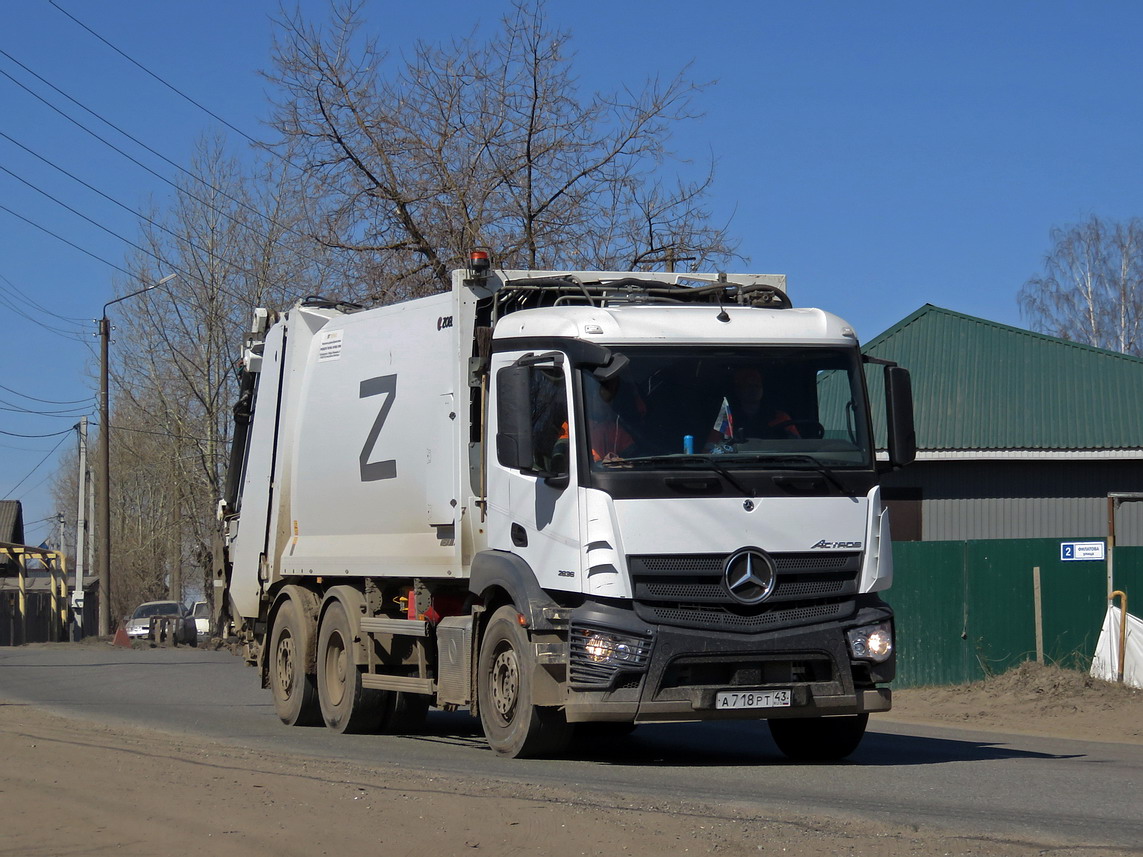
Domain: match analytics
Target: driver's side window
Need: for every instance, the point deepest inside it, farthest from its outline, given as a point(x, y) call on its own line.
point(549, 419)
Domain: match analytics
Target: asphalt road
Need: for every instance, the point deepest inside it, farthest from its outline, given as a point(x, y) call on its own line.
point(1014, 787)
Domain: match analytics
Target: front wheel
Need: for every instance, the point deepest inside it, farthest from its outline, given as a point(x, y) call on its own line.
point(514, 726)
point(818, 739)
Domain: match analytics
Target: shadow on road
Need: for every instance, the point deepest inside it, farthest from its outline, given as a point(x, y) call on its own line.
point(728, 744)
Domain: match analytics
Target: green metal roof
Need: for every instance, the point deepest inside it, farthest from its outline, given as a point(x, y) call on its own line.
point(980, 385)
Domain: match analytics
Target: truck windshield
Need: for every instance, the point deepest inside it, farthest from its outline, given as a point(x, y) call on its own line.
point(741, 408)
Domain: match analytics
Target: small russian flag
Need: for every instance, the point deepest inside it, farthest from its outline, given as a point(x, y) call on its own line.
point(725, 422)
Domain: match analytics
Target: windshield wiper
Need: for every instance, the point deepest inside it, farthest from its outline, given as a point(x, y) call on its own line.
point(815, 464)
point(709, 460)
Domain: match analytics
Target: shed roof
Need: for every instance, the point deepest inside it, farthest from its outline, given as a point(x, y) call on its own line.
point(11, 522)
point(981, 385)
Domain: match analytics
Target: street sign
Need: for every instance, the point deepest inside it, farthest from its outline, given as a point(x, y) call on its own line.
point(1082, 551)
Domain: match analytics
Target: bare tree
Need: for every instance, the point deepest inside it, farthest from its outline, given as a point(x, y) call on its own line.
point(413, 162)
point(387, 173)
point(233, 243)
point(1091, 290)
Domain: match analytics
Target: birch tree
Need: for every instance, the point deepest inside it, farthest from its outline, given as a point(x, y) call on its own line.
point(1091, 290)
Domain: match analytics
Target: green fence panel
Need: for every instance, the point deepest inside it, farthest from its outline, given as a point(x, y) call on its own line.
point(1002, 604)
point(1075, 601)
point(928, 600)
point(966, 610)
point(1000, 632)
point(1128, 569)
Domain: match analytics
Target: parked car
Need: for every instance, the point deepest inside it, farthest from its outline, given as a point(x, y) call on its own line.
point(200, 612)
point(162, 621)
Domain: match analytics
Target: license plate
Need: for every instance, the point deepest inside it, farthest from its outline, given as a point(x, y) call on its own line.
point(752, 699)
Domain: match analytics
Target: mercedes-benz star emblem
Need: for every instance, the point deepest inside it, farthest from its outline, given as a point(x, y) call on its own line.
point(749, 575)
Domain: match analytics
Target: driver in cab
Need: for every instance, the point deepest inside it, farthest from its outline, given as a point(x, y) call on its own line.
point(746, 413)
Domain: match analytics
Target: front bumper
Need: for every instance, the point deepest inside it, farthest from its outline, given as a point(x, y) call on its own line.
point(680, 670)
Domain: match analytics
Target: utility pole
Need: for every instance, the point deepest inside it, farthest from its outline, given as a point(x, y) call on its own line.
point(103, 487)
point(103, 484)
point(80, 530)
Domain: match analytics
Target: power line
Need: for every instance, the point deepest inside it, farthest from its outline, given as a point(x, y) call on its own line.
point(126, 208)
point(13, 287)
point(128, 241)
point(65, 241)
point(77, 213)
point(69, 413)
point(169, 86)
point(45, 401)
point(50, 522)
point(12, 491)
point(53, 518)
point(157, 154)
point(73, 335)
point(153, 432)
point(32, 488)
point(17, 301)
point(51, 434)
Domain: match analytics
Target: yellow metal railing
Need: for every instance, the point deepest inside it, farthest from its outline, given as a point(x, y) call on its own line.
point(1122, 631)
point(54, 561)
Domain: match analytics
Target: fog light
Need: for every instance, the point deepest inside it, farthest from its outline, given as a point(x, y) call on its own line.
point(872, 642)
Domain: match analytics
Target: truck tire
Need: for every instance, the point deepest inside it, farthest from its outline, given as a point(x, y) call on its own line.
point(295, 694)
point(346, 706)
point(404, 713)
point(514, 726)
point(818, 739)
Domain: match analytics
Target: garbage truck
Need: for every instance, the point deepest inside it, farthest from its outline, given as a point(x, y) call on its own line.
point(566, 501)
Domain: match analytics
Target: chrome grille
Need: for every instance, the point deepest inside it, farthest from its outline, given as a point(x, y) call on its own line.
point(688, 591)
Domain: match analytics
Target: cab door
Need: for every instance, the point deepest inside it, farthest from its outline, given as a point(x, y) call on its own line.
point(532, 496)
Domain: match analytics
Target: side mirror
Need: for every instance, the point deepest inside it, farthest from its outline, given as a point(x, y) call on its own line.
point(899, 416)
point(514, 417)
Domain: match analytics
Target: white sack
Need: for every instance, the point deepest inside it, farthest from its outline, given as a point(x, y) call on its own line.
point(1105, 664)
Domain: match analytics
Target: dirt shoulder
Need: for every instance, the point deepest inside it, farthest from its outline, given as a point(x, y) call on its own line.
point(1030, 700)
point(74, 787)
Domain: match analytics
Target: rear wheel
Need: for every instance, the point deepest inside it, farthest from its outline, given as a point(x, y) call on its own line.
point(295, 693)
point(512, 724)
point(346, 706)
point(405, 713)
point(818, 739)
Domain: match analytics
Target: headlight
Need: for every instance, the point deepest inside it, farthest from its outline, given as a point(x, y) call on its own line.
point(872, 642)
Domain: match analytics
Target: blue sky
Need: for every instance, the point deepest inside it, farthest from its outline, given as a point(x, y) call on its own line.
point(882, 155)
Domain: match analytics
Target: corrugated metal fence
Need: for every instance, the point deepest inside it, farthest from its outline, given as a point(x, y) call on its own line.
point(37, 625)
point(966, 610)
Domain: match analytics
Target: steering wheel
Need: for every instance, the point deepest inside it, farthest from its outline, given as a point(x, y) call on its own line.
point(808, 429)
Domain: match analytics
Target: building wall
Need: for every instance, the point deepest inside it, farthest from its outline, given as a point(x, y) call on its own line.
point(962, 500)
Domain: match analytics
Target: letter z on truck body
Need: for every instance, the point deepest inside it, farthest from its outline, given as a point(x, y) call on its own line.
point(550, 497)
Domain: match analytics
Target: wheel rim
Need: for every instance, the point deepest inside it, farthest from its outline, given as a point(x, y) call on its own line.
point(336, 669)
point(505, 683)
point(285, 664)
